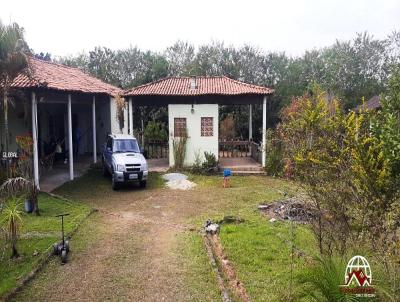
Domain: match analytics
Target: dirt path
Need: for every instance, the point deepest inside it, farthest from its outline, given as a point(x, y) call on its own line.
point(130, 253)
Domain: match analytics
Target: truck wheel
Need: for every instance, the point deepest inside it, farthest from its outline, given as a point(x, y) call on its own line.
point(114, 184)
point(105, 171)
point(143, 184)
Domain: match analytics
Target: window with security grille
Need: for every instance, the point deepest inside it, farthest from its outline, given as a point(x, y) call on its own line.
point(180, 127)
point(207, 126)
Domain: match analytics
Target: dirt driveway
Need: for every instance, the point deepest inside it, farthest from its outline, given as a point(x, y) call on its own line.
point(142, 245)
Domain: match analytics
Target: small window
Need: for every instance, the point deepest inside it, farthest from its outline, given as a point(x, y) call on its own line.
point(180, 127)
point(207, 126)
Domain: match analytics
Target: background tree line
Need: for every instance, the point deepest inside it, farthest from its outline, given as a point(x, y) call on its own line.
point(350, 70)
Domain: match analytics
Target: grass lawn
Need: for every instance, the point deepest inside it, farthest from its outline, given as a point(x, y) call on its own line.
point(152, 224)
point(37, 235)
point(260, 250)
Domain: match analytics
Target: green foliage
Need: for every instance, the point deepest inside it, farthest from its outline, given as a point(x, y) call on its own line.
point(37, 235)
point(386, 126)
point(11, 220)
point(227, 128)
point(324, 278)
point(210, 163)
point(196, 168)
point(179, 149)
point(155, 131)
point(13, 61)
point(342, 165)
point(274, 163)
point(349, 69)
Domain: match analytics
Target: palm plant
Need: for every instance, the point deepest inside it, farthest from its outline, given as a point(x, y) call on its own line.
point(13, 61)
point(12, 221)
point(21, 187)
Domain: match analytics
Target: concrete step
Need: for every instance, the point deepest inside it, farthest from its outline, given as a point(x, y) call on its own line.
point(244, 173)
point(243, 168)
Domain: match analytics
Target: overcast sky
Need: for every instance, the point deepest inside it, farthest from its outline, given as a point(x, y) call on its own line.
point(71, 26)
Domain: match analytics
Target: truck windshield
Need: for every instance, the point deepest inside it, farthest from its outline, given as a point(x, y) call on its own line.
point(126, 145)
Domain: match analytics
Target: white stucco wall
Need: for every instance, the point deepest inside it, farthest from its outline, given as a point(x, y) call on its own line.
point(114, 120)
point(196, 143)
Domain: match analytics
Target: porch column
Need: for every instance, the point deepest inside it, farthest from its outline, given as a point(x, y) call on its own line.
point(264, 131)
point(250, 122)
point(70, 147)
point(130, 106)
point(35, 142)
point(94, 130)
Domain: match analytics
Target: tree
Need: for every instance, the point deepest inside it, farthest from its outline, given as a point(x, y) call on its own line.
point(13, 61)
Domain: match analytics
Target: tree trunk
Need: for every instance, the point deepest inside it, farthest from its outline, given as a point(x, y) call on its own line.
point(13, 227)
point(15, 253)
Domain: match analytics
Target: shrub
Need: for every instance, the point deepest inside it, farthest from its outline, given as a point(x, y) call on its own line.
point(155, 131)
point(179, 146)
point(210, 163)
point(227, 128)
point(274, 162)
point(342, 166)
point(11, 220)
point(197, 168)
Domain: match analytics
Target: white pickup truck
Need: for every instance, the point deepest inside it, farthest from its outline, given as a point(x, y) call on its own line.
point(123, 160)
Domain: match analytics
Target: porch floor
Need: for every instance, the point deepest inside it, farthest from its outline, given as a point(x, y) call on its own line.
point(158, 164)
point(59, 174)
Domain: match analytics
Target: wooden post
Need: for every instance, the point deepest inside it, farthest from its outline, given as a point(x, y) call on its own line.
point(94, 130)
point(70, 147)
point(264, 131)
point(130, 106)
point(35, 142)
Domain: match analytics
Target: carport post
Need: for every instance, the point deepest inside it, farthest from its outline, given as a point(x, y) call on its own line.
point(130, 106)
point(264, 131)
point(70, 148)
point(35, 141)
point(94, 129)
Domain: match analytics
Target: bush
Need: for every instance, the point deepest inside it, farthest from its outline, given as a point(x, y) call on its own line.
point(210, 164)
point(197, 167)
point(155, 131)
point(206, 166)
point(179, 146)
point(342, 165)
point(274, 163)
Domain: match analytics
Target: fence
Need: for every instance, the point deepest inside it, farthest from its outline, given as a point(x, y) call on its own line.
point(156, 149)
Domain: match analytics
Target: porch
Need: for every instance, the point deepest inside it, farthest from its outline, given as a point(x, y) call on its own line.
point(241, 165)
point(59, 173)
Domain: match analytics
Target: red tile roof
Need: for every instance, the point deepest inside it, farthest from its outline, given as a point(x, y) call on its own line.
point(192, 86)
point(372, 104)
point(60, 77)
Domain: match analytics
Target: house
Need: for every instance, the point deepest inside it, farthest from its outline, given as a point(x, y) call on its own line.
point(57, 103)
point(373, 103)
point(193, 110)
